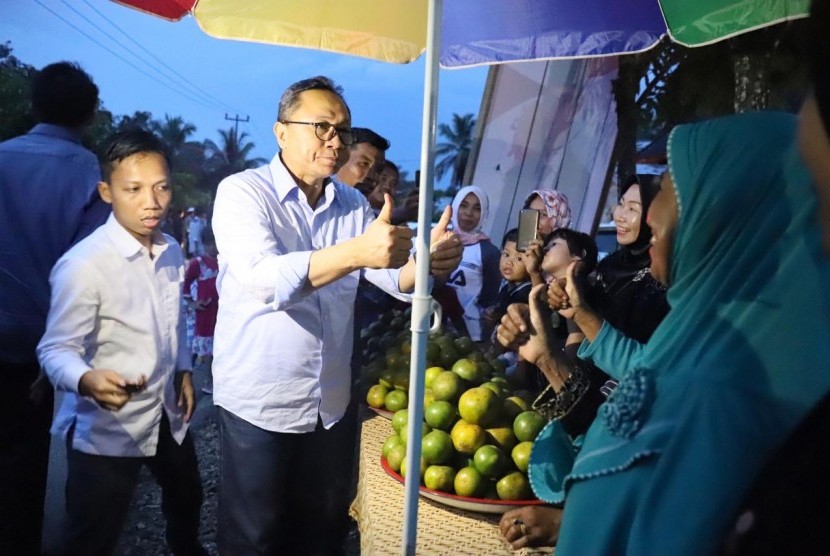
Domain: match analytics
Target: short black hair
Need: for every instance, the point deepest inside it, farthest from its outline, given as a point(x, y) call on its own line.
point(389, 165)
point(366, 135)
point(511, 235)
point(124, 144)
point(579, 245)
point(64, 94)
point(291, 97)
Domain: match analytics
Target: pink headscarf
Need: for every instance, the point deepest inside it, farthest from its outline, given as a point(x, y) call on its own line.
point(556, 205)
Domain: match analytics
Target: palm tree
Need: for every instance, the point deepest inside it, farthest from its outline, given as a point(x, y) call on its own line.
point(453, 154)
point(173, 132)
point(232, 156)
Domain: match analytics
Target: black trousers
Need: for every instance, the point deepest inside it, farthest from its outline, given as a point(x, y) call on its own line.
point(24, 458)
point(99, 489)
point(284, 493)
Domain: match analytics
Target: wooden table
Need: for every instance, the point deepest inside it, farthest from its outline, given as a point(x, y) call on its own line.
point(378, 510)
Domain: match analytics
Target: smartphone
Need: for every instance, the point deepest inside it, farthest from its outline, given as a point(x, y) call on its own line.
point(528, 224)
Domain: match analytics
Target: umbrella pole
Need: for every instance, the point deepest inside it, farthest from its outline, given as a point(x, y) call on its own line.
point(421, 300)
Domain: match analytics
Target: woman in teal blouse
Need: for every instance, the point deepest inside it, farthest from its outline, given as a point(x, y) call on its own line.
point(739, 360)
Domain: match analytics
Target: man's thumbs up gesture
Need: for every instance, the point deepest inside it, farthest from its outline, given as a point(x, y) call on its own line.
point(385, 245)
point(445, 247)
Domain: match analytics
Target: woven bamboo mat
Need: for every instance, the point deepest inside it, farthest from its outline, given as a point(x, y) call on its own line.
point(378, 510)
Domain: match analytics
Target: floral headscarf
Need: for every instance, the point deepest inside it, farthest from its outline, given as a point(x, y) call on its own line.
point(556, 205)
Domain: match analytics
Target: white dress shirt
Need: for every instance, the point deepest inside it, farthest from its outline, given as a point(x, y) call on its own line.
point(281, 349)
point(113, 307)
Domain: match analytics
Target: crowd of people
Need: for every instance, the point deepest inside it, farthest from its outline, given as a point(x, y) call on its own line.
point(683, 377)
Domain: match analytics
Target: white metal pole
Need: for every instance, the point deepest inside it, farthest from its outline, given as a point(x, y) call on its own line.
point(421, 300)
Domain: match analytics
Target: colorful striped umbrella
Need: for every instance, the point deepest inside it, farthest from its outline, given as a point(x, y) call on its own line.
point(469, 32)
point(477, 31)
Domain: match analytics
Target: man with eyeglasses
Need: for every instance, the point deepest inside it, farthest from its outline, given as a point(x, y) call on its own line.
point(293, 244)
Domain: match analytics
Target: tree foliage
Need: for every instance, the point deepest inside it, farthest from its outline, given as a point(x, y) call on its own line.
point(453, 153)
point(197, 165)
point(671, 84)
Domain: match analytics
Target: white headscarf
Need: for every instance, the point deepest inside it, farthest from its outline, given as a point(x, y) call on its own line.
point(475, 235)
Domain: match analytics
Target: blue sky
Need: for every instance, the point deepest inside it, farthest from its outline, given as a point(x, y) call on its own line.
point(143, 63)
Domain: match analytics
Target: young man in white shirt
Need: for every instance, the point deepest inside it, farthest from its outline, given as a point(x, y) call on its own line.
point(115, 345)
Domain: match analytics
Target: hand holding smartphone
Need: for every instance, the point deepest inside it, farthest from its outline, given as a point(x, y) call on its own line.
point(528, 224)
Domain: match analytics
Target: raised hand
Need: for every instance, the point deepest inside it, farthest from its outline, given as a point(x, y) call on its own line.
point(513, 329)
point(445, 248)
point(384, 245)
point(566, 295)
point(532, 257)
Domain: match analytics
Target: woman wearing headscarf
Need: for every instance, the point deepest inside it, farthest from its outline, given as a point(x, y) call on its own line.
point(553, 207)
point(625, 292)
point(790, 516)
point(628, 298)
point(735, 365)
point(476, 281)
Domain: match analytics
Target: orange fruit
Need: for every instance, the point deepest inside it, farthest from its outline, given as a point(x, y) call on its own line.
point(433, 351)
point(399, 420)
point(390, 443)
point(497, 389)
point(429, 397)
point(436, 447)
point(528, 425)
point(375, 396)
point(395, 400)
point(396, 456)
point(512, 406)
point(440, 414)
point(430, 375)
point(490, 461)
point(479, 406)
point(463, 345)
point(439, 477)
point(469, 482)
point(466, 437)
point(468, 370)
point(386, 377)
point(449, 355)
point(400, 380)
point(503, 437)
point(447, 387)
point(521, 455)
point(514, 486)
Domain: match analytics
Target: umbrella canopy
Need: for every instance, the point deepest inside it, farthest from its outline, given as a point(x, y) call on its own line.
point(478, 31)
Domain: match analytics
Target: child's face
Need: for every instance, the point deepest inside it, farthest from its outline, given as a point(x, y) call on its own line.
point(140, 193)
point(511, 265)
point(557, 258)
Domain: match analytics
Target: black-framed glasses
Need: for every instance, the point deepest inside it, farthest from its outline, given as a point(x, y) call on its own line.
point(326, 131)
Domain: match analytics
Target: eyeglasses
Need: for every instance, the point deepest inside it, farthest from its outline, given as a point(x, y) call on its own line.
point(326, 131)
